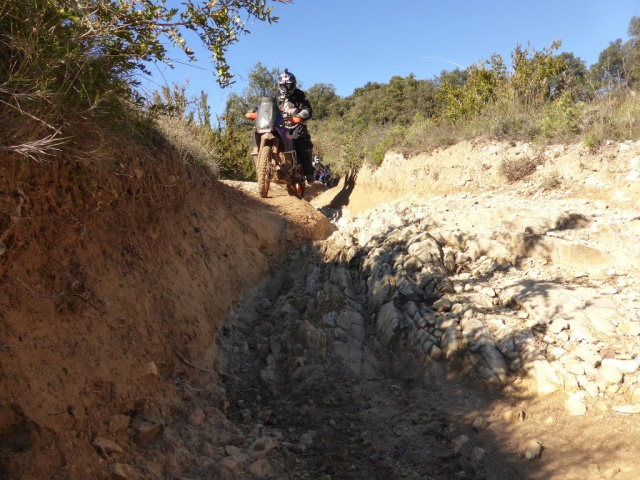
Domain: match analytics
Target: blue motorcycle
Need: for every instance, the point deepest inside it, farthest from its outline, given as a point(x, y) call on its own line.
point(273, 153)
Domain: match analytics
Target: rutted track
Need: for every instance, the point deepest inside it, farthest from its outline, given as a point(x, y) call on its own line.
point(404, 348)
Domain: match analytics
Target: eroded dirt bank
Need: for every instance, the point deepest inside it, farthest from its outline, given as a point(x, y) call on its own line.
point(113, 284)
point(448, 335)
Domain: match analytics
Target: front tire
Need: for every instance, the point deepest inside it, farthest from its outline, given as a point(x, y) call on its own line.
point(296, 189)
point(262, 170)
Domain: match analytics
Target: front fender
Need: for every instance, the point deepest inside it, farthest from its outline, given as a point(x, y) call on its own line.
point(267, 139)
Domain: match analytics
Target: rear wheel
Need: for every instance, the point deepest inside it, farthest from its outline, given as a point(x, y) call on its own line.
point(262, 170)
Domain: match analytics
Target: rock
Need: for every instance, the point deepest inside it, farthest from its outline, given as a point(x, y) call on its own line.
point(208, 450)
point(573, 366)
point(459, 442)
point(558, 325)
point(545, 376)
point(476, 455)
point(261, 469)
point(435, 353)
point(171, 462)
point(230, 467)
point(106, 447)
point(514, 416)
point(576, 405)
point(232, 450)
point(122, 471)
point(147, 430)
point(261, 447)
point(390, 322)
point(532, 449)
point(480, 424)
point(630, 409)
point(442, 305)
point(306, 439)
point(118, 423)
point(633, 176)
point(631, 329)
point(196, 418)
point(624, 366)
point(149, 369)
point(608, 375)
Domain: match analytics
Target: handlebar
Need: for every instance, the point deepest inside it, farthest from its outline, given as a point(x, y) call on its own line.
point(254, 115)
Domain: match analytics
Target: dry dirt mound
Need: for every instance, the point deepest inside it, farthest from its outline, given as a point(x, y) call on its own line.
point(609, 174)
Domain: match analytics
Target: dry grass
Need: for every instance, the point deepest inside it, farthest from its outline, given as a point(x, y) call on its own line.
point(516, 169)
point(188, 141)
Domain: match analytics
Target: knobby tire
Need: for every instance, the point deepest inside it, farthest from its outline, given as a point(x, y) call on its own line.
point(262, 169)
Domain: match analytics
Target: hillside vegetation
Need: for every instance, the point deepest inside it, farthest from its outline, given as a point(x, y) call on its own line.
point(76, 67)
point(544, 96)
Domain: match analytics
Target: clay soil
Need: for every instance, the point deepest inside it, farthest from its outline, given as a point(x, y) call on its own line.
point(115, 283)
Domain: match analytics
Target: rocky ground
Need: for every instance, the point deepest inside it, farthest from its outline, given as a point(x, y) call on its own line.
point(452, 326)
point(489, 334)
point(405, 348)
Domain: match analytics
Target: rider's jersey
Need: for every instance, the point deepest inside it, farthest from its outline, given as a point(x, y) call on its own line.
point(296, 103)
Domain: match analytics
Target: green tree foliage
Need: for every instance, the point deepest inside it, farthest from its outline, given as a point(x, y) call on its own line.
point(58, 54)
point(173, 101)
point(619, 64)
point(480, 88)
point(609, 71)
point(395, 102)
point(323, 99)
point(541, 95)
point(540, 76)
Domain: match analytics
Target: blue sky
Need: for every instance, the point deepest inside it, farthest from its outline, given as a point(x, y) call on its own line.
point(349, 43)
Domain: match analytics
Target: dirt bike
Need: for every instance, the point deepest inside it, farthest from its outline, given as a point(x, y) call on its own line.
point(273, 154)
point(323, 175)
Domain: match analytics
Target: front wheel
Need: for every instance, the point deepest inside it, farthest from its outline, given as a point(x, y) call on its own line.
point(296, 189)
point(262, 170)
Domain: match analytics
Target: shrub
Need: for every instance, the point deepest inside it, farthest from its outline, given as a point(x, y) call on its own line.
point(551, 181)
point(516, 169)
point(562, 120)
point(591, 142)
point(188, 141)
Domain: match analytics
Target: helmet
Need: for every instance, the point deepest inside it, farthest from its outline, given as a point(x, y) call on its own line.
point(287, 82)
point(316, 159)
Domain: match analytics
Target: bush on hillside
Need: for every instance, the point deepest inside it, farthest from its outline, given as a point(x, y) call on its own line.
point(63, 60)
point(516, 169)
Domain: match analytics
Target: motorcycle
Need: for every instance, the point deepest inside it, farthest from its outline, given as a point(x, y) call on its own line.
point(322, 174)
point(273, 153)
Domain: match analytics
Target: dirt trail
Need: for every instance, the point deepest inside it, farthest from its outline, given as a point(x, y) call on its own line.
point(156, 323)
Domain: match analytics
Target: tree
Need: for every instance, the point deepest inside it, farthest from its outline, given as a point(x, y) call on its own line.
point(60, 57)
point(632, 50)
point(619, 64)
point(92, 46)
point(323, 99)
point(609, 71)
point(262, 83)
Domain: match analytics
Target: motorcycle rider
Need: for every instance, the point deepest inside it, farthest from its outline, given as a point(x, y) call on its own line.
point(322, 172)
point(293, 101)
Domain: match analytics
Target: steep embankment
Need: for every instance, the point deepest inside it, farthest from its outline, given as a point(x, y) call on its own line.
point(114, 282)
